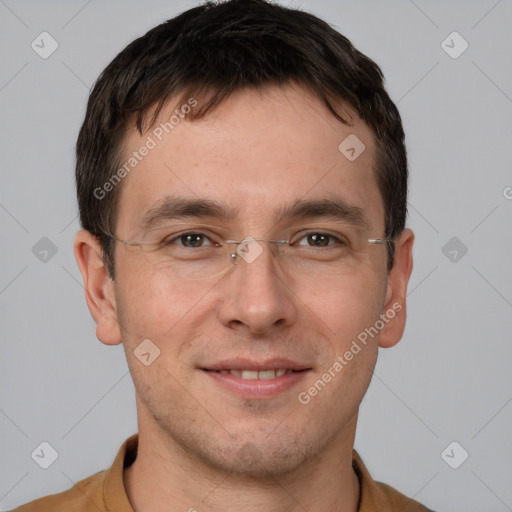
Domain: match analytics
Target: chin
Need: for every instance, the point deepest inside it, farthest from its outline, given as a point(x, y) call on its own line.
point(255, 453)
point(261, 458)
point(248, 445)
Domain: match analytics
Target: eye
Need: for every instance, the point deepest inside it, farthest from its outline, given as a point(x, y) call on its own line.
point(319, 239)
point(189, 239)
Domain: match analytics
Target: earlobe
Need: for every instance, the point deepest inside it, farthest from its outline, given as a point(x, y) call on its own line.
point(396, 293)
point(99, 287)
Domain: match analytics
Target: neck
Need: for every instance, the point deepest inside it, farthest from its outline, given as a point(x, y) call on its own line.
point(166, 477)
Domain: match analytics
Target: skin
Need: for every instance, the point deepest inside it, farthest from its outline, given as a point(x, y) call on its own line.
point(257, 151)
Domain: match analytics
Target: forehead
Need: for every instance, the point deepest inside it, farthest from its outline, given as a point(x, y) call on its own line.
point(256, 152)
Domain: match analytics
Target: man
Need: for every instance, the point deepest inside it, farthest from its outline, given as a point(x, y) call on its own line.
point(242, 185)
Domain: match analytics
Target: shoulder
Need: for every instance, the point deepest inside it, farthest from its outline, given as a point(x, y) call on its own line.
point(399, 501)
point(380, 496)
point(100, 492)
point(84, 496)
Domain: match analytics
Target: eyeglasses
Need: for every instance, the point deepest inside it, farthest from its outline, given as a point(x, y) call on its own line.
point(201, 251)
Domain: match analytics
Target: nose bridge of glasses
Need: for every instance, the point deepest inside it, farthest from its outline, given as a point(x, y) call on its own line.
point(251, 248)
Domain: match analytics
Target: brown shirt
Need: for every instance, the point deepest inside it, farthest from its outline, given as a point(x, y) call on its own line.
point(105, 492)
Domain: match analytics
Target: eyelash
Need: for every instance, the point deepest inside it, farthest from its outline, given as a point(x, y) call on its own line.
point(175, 238)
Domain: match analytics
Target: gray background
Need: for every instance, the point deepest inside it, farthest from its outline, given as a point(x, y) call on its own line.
point(448, 380)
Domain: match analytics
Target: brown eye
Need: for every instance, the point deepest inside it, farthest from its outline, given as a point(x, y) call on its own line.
point(319, 239)
point(192, 239)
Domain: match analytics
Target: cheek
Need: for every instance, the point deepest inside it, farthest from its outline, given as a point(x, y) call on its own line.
point(349, 308)
point(150, 308)
point(141, 301)
point(150, 305)
point(347, 305)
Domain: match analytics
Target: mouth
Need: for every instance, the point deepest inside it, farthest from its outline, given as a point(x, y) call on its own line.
point(256, 380)
point(257, 375)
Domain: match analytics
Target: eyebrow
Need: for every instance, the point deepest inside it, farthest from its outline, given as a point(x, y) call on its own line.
point(176, 208)
point(170, 208)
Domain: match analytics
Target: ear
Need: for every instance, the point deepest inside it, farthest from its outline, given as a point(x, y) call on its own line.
point(396, 293)
point(99, 287)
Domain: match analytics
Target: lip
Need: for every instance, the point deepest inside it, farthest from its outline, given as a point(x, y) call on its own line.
point(256, 388)
point(248, 364)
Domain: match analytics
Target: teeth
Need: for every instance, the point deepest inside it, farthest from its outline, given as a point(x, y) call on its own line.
point(267, 374)
point(252, 375)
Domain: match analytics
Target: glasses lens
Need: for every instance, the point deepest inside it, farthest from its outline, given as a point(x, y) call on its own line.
point(310, 255)
point(195, 252)
point(186, 251)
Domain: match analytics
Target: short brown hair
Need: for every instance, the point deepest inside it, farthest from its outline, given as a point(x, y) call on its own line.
point(219, 48)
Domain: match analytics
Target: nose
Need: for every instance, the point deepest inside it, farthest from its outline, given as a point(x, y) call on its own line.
point(256, 295)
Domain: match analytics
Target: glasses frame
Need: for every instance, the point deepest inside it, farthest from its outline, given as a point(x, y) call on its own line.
point(234, 255)
point(250, 239)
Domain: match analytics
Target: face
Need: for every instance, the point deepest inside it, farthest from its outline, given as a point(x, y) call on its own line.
point(256, 155)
